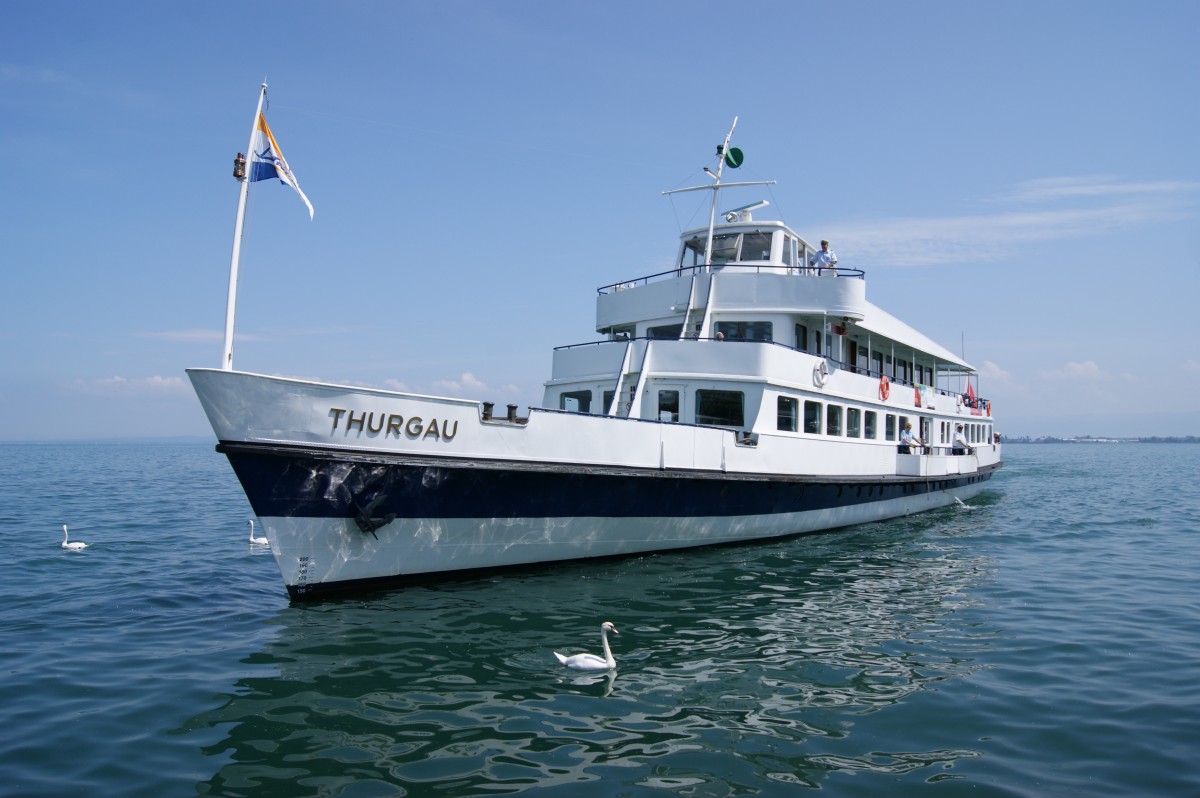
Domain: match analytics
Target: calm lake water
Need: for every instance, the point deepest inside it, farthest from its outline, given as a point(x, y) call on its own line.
point(1043, 641)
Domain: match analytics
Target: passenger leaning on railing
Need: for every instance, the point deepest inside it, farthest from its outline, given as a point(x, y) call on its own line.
point(960, 443)
point(825, 259)
point(908, 440)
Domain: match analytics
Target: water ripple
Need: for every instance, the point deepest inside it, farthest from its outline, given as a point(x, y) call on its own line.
point(1008, 649)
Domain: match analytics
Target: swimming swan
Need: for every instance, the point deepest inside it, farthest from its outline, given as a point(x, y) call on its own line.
point(77, 546)
point(590, 662)
point(257, 541)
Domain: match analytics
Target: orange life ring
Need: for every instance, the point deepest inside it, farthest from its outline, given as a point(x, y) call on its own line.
point(885, 387)
point(989, 408)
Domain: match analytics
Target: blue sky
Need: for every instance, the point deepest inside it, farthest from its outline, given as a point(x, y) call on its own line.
point(1019, 180)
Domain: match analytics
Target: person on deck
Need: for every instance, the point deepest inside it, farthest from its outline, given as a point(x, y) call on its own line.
point(908, 440)
point(960, 442)
point(825, 259)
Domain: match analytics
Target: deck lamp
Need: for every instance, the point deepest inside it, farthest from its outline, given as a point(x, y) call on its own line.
point(239, 167)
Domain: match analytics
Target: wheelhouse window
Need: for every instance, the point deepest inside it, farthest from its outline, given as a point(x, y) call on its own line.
point(665, 331)
point(870, 424)
point(877, 362)
point(756, 246)
point(786, 410)
point(812, 418)
point(889, 427)
point(668, 405)
point(745, 330)
point(853, 422)
point(720, 408)
point(833, 419)
point(576, 401)
point(728, 247)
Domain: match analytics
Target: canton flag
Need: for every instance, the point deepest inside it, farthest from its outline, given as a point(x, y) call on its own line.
point(267, 161)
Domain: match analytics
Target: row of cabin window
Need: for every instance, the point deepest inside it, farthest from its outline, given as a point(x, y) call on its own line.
point(861, 423)
point(858, 423)
point(727, 409)
point(973, 432)
point(716, 408)
point(859, 358)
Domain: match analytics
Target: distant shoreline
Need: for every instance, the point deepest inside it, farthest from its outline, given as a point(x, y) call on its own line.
point(1090, 439)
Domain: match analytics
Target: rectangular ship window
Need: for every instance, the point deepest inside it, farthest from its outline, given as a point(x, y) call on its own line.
point(665, 331)
point(668, 405)
point(812, 418)
point(785, 415)
point(720, 408)
point(745, 330)
point(576, 401)
point(853, 422)
point(833, 420)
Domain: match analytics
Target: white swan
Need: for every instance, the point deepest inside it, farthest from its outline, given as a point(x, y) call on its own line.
point(76, 546)
point(254, 540)
point(590, 662)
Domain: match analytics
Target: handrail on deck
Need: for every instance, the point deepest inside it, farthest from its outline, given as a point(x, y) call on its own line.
point(794, 271)
point(979, 401)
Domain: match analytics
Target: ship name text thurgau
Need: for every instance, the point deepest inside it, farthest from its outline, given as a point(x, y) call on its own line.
point(372, 423)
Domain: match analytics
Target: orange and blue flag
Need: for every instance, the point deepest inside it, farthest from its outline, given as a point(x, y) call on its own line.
point(267, 161)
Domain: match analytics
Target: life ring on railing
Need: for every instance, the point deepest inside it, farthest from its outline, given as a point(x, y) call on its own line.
point(821, 374)
point(885, 387)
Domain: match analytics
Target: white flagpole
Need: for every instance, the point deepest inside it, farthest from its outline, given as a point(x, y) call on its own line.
point(227, 359)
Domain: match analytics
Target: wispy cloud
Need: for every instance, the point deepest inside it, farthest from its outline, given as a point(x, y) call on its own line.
point(132, 386)
point(1087, 370)
point(1071, 207)
point(191, 336)
point(991, 371)
point(1049, 189)
point(467, 386)
point(466, 383)
point(35, 76)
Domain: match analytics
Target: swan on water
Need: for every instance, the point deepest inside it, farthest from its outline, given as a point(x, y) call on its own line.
point(256, 541)
point(76, 546)
point(590, 662)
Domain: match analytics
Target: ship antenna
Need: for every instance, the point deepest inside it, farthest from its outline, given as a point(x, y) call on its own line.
point(712, 212)
point(725, 155)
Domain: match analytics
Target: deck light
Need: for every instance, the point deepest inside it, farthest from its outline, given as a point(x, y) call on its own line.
point(239, 167)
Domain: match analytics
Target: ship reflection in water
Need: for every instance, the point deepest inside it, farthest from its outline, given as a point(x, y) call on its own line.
point(737, 667)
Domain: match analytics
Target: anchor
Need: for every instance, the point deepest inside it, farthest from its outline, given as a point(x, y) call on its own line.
point(366, 519)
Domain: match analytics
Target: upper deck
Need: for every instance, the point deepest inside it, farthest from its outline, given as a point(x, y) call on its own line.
point(762, 266)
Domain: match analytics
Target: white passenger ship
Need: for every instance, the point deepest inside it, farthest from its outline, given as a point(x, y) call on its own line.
point(742, 395)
